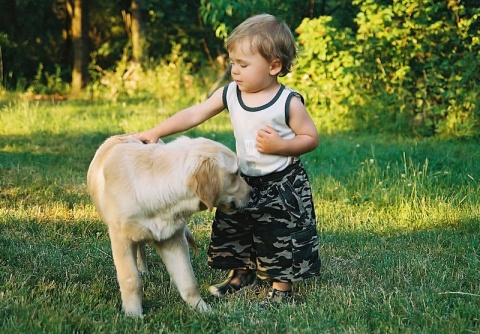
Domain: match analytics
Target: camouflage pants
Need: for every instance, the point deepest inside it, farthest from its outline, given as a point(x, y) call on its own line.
point(275, 234)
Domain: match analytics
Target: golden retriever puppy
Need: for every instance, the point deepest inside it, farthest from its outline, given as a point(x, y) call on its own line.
point(146, 193)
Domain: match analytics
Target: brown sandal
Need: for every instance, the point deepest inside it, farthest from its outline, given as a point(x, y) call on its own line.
point(226, 287)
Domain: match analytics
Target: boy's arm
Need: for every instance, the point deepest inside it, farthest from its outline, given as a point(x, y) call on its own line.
point(306, 134)
point(184, 119)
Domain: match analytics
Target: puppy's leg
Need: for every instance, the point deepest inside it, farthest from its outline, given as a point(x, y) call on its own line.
point(124, 257)
point(142, 257)
point(174, 253)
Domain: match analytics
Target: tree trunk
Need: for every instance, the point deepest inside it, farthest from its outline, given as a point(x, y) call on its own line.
point(1, 68)
point(80, 50)
point(138, 32)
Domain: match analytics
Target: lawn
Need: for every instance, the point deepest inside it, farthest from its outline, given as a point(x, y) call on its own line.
point(398, 220)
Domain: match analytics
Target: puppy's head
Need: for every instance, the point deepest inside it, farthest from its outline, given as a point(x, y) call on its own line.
point(216, 180)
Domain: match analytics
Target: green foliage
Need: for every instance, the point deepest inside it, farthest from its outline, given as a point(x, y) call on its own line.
point(168, 80)
point(171, 24)
point(46, 83)
point(225, 15)
point(408, 65)
point(31, 34)
point(39, 32)
point(322, 72)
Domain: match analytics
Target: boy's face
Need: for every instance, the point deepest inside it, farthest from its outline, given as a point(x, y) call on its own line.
point(250, 70)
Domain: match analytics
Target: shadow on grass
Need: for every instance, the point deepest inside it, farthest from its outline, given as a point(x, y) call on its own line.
point(339, 150)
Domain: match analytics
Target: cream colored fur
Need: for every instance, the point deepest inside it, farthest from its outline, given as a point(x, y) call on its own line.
point(146, 193)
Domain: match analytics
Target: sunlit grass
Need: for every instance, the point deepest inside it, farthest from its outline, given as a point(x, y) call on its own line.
point(398, 221)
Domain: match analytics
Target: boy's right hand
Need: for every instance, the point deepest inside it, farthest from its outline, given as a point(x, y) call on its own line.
point(147, 136)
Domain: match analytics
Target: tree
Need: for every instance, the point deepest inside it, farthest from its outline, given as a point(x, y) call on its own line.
point(138, 32)
point(79, 15)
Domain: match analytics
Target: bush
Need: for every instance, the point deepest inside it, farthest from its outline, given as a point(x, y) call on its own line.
point(409, 66)
point(167, 80)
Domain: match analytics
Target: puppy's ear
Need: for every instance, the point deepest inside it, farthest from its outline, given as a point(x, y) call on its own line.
point(206, 182)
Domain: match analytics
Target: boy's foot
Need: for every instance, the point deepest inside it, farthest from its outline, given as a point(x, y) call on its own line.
point(235, 281)
point(277, 297)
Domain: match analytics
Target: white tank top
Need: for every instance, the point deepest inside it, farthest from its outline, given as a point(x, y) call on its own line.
point(246, 121)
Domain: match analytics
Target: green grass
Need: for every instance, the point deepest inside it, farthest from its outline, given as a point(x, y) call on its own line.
point(398, 221)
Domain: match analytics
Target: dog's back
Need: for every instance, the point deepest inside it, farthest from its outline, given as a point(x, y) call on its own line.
point(106, 161)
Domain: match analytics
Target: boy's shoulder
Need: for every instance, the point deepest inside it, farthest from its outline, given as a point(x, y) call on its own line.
point(294, 93)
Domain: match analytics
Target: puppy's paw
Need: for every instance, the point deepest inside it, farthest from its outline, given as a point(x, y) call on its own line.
point(202, 307)
point(134, 312)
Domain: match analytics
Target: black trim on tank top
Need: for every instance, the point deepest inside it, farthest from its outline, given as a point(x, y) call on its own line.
point(287, 105)
point(260, 108)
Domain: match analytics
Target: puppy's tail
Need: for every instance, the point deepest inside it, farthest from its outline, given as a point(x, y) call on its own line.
point(191, 240)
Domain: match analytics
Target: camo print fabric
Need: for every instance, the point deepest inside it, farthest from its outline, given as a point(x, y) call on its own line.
point(275, 235)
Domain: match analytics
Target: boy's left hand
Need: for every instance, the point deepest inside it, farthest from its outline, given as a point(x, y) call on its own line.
point(268, 140)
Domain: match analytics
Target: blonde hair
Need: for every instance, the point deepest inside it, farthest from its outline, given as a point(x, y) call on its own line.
point(269, 36)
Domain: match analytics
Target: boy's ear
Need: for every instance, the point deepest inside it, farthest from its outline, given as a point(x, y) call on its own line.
point(275, 66)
